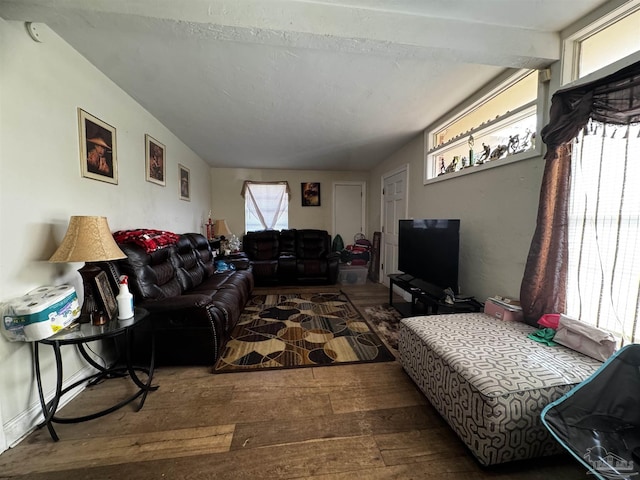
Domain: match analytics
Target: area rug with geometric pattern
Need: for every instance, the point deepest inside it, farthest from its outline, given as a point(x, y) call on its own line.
point(386, 320)
point(300, 330)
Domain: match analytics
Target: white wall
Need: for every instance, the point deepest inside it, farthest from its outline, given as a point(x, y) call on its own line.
point(41, 87)
point(497, 209)
point(226, 201)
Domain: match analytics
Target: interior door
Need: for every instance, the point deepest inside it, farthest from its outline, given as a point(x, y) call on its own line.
point(394, 200)
point(348, 210)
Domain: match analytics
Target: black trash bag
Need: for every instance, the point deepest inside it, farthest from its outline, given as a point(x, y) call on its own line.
point(338, 244)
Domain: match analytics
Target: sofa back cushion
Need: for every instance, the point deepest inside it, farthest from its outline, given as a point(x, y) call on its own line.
point(288, 242)
point(152, 276)
point(263, 245)
point(189, 270)
point(203, 252)
point(312, 244)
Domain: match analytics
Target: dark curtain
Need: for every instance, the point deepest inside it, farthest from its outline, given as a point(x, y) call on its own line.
point(614, 99)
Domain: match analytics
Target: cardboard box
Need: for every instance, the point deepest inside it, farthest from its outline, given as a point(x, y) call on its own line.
point(352, 275)
point(503, 311)
point(40, 313)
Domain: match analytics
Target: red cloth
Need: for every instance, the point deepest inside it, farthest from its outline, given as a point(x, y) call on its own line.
point(150, 240)
point(549, 320)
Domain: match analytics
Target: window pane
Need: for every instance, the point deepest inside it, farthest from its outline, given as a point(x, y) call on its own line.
point(516, 133)
point(604, 233)
point(610, 44)
point(520, 93)
point(271, 207)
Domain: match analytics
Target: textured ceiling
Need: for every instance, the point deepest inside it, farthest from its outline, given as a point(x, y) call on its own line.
point(336, 85)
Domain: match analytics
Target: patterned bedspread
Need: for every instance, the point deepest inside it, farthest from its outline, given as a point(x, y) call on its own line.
point(489, 381)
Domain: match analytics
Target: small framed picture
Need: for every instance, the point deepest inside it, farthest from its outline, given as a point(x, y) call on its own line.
point(107, 299)
point(310, 194)
point(185, 183)
point(98, 158)
point(155, 160)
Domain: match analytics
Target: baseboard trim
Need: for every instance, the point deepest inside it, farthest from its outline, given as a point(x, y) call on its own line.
point(19, 427)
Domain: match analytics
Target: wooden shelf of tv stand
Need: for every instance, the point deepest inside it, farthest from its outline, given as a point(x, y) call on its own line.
point(426, 299)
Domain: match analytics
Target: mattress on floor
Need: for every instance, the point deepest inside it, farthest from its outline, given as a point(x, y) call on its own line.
point(489, 381)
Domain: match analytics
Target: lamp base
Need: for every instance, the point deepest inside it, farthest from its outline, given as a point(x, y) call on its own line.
point(89, 305)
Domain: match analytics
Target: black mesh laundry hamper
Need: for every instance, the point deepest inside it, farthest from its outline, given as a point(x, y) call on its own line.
point(598, 421)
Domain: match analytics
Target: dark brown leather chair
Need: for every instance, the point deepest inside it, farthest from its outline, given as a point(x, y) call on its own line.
point(314, 260)
point(263, 250)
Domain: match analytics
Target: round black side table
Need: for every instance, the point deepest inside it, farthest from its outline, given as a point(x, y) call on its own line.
point(80, 335)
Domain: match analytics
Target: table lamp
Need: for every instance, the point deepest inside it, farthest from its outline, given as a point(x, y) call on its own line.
point(88, 239)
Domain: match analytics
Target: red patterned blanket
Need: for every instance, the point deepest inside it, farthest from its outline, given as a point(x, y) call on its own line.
point(150, 240)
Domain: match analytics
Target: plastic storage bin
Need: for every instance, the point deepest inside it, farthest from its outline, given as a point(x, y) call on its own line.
point(352, 275)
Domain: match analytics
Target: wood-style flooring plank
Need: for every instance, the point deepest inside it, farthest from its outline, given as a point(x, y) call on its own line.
point(302, 429)
point(119, 449)
point(295, 460)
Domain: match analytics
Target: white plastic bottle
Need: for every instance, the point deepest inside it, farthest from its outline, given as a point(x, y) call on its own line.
point(125, 299)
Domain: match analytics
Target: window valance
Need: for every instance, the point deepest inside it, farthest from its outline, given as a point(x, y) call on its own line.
point(614, 99)
point(246, 184)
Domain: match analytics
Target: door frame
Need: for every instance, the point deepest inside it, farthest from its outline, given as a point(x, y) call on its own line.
point(363, 204)
point(402, 168)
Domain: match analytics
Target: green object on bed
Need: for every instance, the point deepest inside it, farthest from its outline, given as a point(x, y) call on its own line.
point(545, 336)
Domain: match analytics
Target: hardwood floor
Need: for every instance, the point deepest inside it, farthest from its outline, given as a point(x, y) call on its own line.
point(356, 421)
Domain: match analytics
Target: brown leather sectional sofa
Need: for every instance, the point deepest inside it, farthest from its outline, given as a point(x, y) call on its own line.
point(193, 309)
point(290, 257)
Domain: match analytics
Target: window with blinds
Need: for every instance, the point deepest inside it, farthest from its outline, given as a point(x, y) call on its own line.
point(604, 231)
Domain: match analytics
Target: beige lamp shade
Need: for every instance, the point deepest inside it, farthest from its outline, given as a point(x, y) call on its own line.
point(221, 229)
point(88, 239)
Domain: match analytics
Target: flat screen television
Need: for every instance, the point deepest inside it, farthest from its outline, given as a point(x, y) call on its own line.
point(428, 249)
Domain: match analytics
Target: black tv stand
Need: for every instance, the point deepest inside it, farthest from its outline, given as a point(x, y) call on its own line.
point(426, 298)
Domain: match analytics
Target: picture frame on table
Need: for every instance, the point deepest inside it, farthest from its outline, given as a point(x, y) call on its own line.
point(107, 299)
point(155, 161)
point(184, 179)
point(310, 192)
point(98, 153)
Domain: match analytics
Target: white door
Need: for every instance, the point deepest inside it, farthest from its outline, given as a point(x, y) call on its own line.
point(394, 206)
point(348, 210)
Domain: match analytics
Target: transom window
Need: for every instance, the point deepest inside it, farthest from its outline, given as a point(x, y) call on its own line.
point(500, 124)
point(612, 38)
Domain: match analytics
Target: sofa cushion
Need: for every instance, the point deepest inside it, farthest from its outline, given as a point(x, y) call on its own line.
point(288, 242)
point(190, 270)
point(312, 244)
point(203, 251)
point(262, 246)
point(152, 276)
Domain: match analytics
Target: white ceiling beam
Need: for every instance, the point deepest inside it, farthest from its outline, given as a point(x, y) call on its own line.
point(304, 24)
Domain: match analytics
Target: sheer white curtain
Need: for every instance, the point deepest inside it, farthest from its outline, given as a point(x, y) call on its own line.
point(603, 287)
point(266, 206)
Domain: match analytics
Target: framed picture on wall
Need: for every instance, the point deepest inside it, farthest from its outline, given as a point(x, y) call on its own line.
point(155, 160)
point(310, 192)
point(185, 183)
point(98, 158)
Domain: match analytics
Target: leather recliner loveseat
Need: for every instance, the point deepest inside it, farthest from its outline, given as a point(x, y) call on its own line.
point(193, 308)
point(291, 256)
